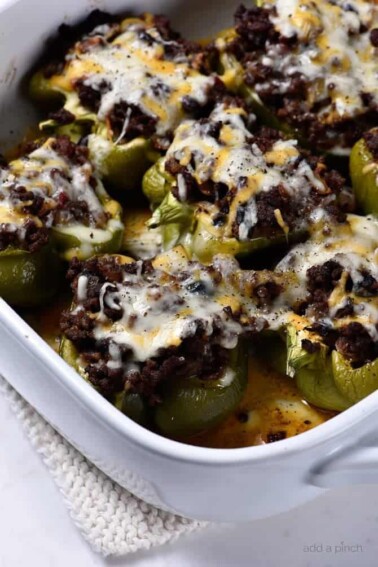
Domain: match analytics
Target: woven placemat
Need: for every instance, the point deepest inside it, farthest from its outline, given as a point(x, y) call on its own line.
point(110, 518)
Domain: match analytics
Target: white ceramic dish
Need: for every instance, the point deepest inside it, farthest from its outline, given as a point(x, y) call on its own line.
point(211, 484)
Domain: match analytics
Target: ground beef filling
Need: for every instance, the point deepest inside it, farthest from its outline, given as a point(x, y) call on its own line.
point(254, 32)
point(198, 355)
point(352, 340)
point(322, 280)
point(75, 153)
point(29, 237)
point(66, 36)
point(138, 122)
point(62, 117)
point(371, 141)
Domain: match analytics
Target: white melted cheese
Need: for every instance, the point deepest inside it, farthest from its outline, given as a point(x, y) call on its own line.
point(159, 312)
point(334, 56)
point(137, 73)
point(354, 245)
point(234, 160)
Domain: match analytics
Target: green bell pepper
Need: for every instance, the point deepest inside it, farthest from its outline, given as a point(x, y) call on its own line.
point(41, 91)
point(364, 176)
point(190, 406)
point(313, 372)
point(131, 63)
point(157, 183)
point(354, 383)
point(28, 279)
point(121, 166)
point(139, 241)
point(135, 407)
point(191, 225)
point(331, 109)
point(326, 379)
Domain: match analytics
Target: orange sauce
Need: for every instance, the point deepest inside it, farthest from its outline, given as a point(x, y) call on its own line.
point(271, 409)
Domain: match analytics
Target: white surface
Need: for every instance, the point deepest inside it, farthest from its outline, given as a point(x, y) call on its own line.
point(36, 529)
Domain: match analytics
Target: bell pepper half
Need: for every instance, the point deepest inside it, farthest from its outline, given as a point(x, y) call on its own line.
point(226, 186)
point(70, 198)
point(331, 333)
point(364, 172)
point(127, 86)
point(27, 278)
point(280, 61)
point(181, 405)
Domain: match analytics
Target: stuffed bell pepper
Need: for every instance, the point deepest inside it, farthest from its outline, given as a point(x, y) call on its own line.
point(128, 85)
point(161, 339)
point(167, 340)
point(332, 333)
point(228, 186)
point(52, 208)
point(308, 67)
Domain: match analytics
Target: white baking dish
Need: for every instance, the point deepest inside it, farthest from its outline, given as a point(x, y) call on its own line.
point(212, 484)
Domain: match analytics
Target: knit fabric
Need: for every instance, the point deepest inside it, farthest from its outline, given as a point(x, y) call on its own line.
point(111, 519)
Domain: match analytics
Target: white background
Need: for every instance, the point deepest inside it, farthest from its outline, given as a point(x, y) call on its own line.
point(36, 530)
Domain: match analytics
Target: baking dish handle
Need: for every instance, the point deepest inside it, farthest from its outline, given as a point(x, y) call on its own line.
point(354, 465)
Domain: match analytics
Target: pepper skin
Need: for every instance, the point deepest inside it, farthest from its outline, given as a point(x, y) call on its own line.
point(29, 279)
point(190, 406)
point(325, 378)
point(363, 172)
point(354, 383)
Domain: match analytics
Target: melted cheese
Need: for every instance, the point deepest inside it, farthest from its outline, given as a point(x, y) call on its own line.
point(334, 56)
point(47, 174)
point(234, 160)
point(160, 311)
point(354, 245)
point(136, 72)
